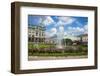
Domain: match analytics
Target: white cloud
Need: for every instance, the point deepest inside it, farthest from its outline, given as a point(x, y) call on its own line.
point(51, 33)
point(85, 29)
point(65, 33)
point(75, 31)
point(48, 20)
point(64, 21)
point(78, 23)
point(61, 28)
point(54, 30)
point(78, 29)
point(67, 20)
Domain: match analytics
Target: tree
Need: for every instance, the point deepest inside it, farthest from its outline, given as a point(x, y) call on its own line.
point(68, 41)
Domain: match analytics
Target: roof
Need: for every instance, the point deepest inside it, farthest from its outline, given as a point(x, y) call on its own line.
point(72, 37)
point(83, 35)
point(35, 26)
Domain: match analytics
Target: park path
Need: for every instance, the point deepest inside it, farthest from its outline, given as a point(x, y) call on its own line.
point(30, 58)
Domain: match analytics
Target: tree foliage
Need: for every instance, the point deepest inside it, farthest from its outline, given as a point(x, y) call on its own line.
point(68, 41)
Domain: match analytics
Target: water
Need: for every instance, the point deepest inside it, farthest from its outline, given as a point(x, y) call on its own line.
point(60, 36)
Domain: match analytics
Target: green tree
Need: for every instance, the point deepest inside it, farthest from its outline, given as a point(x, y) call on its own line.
point(68, 41)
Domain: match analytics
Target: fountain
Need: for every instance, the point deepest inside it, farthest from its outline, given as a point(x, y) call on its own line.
point(60, 36)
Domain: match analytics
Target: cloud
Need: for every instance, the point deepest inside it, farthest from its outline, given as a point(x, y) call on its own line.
point(64, 21)
point(54, 30)
point(61, 28)
point(85, 29)
point(51, 32)
point(65, 34)
point(67, 20)
point(78, 23)
point(48, 20)
point(75, 31)
point(78, 29)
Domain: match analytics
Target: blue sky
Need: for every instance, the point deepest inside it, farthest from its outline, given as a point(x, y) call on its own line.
point(71, 25)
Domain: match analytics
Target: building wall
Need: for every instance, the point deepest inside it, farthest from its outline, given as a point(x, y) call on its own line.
point(85, 38)
point(36, 34)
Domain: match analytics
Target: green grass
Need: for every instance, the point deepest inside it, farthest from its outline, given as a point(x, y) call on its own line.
point(40, 46)
point(58, 54)
point(31, 52)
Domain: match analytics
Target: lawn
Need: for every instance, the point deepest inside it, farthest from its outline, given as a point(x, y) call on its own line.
point(57, 54)
point(50, 50)
point(40, 45)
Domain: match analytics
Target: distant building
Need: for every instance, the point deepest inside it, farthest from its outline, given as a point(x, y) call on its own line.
point(84, 38)
point(36, 34)
point(81, 39)
point(51, 40)
point(73, 38)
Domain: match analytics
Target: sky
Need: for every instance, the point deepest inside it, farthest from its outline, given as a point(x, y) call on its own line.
point(68, 25)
